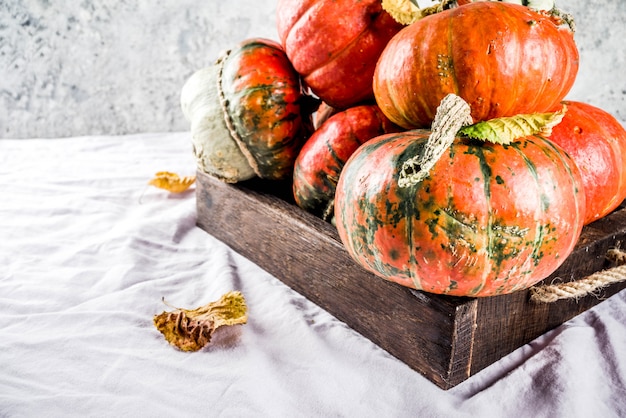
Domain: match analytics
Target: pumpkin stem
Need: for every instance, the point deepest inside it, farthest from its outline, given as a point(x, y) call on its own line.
point(452, 114)
point(560, 18)
point(329, 212)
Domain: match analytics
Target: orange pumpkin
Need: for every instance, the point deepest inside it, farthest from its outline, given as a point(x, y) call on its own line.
point(597, 143)
point(319, 163)
point(503, 59)
point(334, 45)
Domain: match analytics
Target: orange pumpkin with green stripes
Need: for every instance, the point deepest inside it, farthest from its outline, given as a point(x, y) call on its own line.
point(319, 163)
point(488, 219)
point(263, 100)
point(248, 114)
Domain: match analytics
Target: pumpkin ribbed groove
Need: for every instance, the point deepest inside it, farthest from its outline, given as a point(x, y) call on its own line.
point(224, 103)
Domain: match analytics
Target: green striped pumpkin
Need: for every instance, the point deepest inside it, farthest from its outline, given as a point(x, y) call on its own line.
point(488, 219)
point(246, 112)
point(319, 163)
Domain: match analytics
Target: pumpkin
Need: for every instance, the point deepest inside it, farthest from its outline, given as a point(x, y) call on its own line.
point(334, 45)
point(503, 59)
point(597, 143)
point(319, 163)
point(486, 219)
point(246, 113)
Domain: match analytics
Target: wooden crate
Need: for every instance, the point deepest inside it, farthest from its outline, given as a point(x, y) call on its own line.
point(447, 339)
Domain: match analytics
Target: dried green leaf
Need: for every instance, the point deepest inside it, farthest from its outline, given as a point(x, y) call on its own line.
point(508, 129)
point(192, 329)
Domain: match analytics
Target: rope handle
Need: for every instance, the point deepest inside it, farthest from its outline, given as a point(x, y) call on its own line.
point(585, 286)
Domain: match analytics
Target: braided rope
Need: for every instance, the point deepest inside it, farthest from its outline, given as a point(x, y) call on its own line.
point(585, 286)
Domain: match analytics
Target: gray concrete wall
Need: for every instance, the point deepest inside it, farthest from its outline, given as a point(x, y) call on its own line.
point(79, 67)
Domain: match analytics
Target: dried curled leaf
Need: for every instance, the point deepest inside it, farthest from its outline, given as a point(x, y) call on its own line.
point(406, 12)
point(402, 11)
point(172, 182)
point(508, 129)
point(192, 329)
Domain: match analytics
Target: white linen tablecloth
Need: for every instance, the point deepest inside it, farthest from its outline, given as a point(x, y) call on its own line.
point(88, 251)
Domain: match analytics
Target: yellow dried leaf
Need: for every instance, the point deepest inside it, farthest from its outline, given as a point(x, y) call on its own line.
point(192, 329)
point(172, 182)
point(402, 11)
point(407, 12)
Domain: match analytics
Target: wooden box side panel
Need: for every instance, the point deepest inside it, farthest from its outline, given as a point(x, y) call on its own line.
point(430, 334)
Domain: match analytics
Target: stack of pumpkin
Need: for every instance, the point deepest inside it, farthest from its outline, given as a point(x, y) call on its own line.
point(350, 105)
